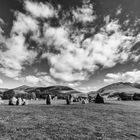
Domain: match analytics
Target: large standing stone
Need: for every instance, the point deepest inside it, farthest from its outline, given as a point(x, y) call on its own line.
point(68, 99)
point(48, 99)
point(13, 101)
point(19, 101)
point(99, 99)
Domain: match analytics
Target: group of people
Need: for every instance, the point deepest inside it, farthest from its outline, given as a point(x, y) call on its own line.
point(17, 101)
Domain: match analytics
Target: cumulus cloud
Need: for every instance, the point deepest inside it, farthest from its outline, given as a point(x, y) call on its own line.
point(119, 11)
point(40, 10)
point(32, 79)
point(41, 79)
point(72, 53)
point(12, 73)
point(14, 57)
point(24, 23)
point(111, 45)
point(1, 21)
point(129, 76)
point(87, 89)
point(14, 52)
point(84, 14)
point(79, 58)
point(1, 81)
point(73, 84)
point(67, 76)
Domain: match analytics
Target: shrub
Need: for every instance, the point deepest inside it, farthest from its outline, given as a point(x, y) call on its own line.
point(8, 94)
point(136, 96)
point(125, 96)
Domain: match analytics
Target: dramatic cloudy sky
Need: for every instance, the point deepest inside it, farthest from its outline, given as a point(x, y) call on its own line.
point(85, 44)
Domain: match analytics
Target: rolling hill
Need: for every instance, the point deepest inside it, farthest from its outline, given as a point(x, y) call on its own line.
point(41, 92)
point(23, 87)
point(55, 90)
point(115, 89)
point(3, 89)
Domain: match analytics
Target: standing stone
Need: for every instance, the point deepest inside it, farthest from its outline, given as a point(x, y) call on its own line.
point(48, 99)
point(13, 101)
point(19, 101)
point(99, 99)
point(68, 99)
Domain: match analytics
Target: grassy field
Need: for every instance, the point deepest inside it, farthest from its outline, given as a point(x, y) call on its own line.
point(37, 121)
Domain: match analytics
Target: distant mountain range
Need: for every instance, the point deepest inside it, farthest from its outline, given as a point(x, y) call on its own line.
point(3, 89)
point(23, 87)
point(112, 90)
point(42, 91)
point(115, 89)
point(55, 90)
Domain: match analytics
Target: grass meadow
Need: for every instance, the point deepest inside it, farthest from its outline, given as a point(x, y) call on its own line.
point(37, 121)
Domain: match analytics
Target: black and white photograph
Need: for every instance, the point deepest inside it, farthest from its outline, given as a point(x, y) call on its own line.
point(69, 69)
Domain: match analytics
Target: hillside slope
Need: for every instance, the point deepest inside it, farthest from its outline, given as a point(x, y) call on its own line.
point(41, 92)
point(55, 90)
point(117, 88)
point(23, 87)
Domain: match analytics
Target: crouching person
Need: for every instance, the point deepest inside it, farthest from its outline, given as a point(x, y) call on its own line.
point(13, 101)
point(48, 99)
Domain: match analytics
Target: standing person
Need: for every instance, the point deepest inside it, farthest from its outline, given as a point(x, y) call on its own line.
point(48, 99)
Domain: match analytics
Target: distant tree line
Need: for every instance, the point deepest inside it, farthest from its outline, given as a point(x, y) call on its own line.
point(26, 95)
point(11, 93)
point(126, 97)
